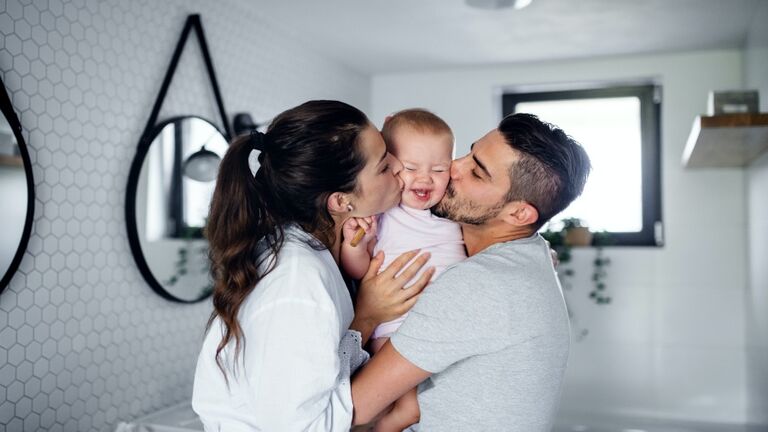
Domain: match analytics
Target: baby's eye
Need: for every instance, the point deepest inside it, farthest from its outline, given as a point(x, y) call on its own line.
point(438, 170)
point(408, 168)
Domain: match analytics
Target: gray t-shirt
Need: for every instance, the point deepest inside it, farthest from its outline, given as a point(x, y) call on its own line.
point(494, 332)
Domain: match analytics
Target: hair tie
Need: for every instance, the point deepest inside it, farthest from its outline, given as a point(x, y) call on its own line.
point(257, 140)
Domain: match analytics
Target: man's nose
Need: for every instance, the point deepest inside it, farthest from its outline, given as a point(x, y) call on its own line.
point(456, 168)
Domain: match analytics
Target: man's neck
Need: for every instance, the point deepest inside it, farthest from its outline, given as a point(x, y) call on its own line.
point(479, 237)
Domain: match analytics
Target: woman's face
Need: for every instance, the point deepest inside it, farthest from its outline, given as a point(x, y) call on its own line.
point(379, 186)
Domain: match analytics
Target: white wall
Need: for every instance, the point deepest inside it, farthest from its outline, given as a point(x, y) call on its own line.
point(756, 77)
point(672, 344)
point(84, 342)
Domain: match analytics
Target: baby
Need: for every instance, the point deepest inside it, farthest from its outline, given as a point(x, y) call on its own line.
point(423, 142)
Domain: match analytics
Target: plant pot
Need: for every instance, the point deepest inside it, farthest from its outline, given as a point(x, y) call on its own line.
point(578, 236)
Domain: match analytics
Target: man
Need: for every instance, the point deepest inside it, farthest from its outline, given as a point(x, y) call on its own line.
point(489, 339)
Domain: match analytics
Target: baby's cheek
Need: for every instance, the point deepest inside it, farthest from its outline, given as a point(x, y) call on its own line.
point(441, 183)
point(443, 179)
point(406, 177)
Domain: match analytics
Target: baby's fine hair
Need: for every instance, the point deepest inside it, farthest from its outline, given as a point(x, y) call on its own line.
point(419, 119)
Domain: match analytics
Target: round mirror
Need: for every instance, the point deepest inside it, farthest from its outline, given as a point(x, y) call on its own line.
point(169, 190)
point(16, 191)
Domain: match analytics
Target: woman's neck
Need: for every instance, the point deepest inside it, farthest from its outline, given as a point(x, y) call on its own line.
point(335, 248)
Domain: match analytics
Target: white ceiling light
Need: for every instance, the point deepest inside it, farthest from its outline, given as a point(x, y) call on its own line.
point(498, 4)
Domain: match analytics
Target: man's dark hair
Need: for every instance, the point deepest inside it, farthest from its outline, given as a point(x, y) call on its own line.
point(552, 169)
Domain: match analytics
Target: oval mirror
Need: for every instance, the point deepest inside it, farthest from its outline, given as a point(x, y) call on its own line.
point(16, 190)
point(169, 190)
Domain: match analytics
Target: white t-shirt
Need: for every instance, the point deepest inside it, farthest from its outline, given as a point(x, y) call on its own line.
point(294, 368)
point(402, 229)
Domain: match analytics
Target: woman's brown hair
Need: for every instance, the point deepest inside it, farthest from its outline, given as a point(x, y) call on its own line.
point(309, 152)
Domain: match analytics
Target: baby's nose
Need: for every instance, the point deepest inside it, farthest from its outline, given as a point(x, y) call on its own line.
point(423, 177)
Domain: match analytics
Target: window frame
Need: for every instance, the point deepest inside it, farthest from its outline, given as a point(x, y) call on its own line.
point(649, 95)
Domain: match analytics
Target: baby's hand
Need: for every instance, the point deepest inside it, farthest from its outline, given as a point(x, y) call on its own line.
point(351, 226)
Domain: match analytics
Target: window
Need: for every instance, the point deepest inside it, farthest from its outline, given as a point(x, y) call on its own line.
point(619, 129)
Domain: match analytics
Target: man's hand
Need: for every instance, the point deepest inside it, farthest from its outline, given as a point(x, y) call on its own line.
point(553, 254)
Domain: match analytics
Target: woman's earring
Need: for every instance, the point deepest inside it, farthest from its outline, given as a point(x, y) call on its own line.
point(350, 208)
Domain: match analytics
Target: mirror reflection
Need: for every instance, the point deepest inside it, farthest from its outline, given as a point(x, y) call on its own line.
point(175, 186)
point(13, 189)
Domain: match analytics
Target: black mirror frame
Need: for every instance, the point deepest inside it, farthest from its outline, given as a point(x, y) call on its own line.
point(13, 121)
point(130, 208)
point(152, 128)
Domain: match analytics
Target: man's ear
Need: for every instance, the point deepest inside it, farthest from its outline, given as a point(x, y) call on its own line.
point(520, 213)
point(338, 203)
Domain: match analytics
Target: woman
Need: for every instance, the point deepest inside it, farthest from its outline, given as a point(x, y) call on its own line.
point(283, 338)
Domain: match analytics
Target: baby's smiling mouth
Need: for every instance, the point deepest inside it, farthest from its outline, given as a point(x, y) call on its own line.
point(422, 194)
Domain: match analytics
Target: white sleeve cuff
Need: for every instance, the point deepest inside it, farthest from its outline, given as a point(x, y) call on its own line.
point(351, 353)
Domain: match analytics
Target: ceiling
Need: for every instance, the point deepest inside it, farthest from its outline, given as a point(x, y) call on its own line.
point(376, 37)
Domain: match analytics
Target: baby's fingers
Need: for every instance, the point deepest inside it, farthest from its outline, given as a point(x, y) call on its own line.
point(351, 224)
point(364, 224)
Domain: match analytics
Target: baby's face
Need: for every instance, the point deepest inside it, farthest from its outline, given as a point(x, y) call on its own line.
point(426, 159)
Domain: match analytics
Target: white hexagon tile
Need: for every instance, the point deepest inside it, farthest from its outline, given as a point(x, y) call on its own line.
point(84, 342)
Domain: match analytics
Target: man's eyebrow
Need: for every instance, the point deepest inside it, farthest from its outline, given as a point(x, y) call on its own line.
point(477, 161)
point(482, 167)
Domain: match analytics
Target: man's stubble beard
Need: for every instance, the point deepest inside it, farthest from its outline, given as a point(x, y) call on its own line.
point(464, 211)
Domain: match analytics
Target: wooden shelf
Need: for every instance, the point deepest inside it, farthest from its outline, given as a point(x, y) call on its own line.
point(726, 141)
point(14, 161)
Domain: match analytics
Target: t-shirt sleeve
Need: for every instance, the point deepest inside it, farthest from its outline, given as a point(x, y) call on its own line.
point(451, 321)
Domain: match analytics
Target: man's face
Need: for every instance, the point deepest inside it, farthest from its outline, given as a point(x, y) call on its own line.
point(479, 182)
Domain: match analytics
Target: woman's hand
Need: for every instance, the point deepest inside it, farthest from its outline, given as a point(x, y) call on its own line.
point(381, 296)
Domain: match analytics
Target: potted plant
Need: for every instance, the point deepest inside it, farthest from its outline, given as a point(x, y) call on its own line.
point(576, 233)
point(599, 272)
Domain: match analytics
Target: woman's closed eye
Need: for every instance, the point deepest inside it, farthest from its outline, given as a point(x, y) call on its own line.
point(385, 169)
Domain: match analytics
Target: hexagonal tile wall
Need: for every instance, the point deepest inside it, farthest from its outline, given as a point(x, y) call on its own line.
point(84, 342)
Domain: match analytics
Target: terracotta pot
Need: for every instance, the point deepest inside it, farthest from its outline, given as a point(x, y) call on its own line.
point(578, 236)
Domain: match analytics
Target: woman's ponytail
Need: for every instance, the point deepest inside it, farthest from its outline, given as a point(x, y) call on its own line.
point(239, 219)
point(308, 153)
